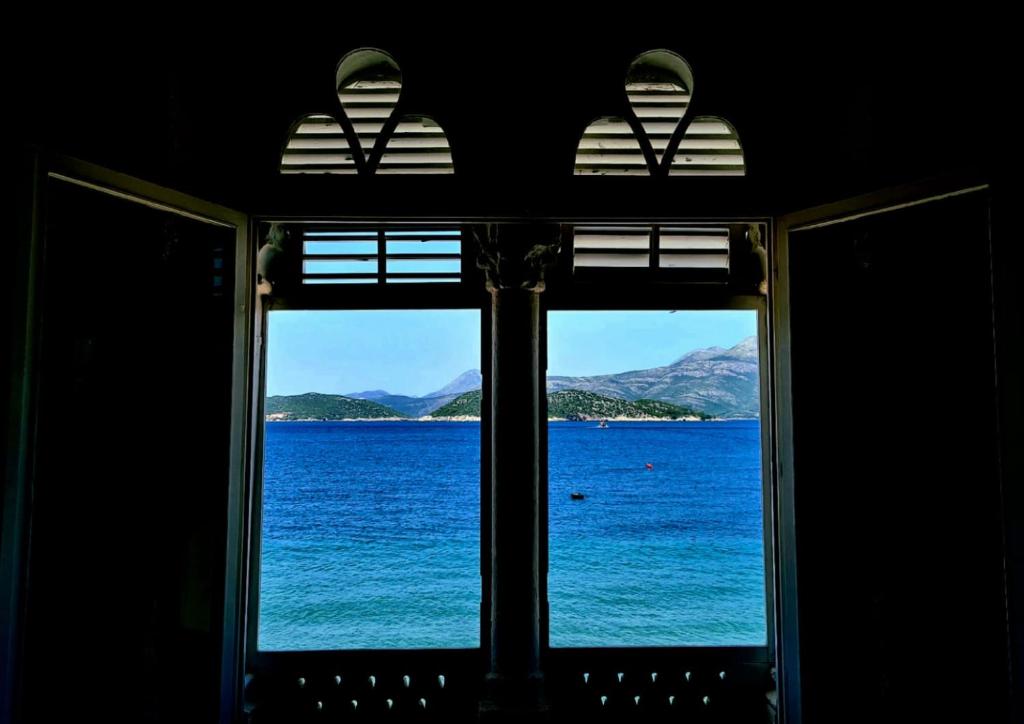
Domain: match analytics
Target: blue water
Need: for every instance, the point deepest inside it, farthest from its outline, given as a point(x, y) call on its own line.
point(667, 556)
point(371, 535)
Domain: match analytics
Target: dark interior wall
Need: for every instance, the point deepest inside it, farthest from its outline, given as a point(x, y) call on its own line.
point(820, 118)
point(822, 115)
point(126, 553)
point(896, 458)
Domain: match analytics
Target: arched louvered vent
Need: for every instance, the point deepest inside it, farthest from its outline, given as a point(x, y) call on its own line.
point(710, 147)
point(317, 145)
point(353, 256)
point(609, 148)
point(418, 145)
point(659, 87)
point(369, 86)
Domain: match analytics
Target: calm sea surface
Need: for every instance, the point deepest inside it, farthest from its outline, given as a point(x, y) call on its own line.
point(371, 535)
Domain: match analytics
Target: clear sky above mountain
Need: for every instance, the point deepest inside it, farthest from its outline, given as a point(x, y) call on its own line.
point(599, 343)
point(416, 352)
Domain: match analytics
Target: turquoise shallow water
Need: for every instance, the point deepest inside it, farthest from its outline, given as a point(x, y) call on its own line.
point(371, 535)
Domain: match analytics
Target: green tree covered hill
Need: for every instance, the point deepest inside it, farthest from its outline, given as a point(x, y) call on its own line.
point(580, 405)
point(318, 406)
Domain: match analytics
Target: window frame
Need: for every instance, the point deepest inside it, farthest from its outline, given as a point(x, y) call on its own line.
point(356, 297)
point(763, 653)
point(635, 292)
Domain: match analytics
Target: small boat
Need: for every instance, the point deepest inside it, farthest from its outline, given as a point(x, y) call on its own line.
point(577, 496)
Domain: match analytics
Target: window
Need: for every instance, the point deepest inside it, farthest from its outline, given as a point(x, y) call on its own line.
point(375, 504)
point(656, 528)
point(371, 481)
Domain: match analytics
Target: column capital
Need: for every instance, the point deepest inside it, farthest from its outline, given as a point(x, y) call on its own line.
point(516, 256)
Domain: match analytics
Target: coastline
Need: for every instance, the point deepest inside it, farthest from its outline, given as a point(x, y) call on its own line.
point(474, 418)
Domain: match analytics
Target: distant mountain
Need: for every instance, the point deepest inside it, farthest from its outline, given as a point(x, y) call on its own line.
point(717, 381)
point(368, 394)
point(317, 406)
point(579, 405)
point(413, 406)
point(466, 382)
point(419, 406)
point(720, 382)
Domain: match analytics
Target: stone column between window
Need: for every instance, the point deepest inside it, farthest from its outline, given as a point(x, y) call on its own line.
point(514, 258)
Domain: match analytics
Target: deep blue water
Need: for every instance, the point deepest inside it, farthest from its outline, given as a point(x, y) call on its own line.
point(371, 535)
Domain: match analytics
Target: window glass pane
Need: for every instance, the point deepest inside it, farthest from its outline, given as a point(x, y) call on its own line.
point(371, 505)
point(415, 246)
point(321, 266)
point(655, 508)
point(434, 266)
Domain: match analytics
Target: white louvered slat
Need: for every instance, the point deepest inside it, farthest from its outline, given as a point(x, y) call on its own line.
point(613, 260)
point(693, 248)
point(611, 246)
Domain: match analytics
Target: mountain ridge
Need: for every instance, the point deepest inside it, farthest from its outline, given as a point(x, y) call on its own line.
point(466, 382)
point(718, 381)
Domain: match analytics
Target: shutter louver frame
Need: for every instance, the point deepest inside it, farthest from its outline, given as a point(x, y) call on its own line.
point(697, 252)
point(382, 255)
point(611, 247)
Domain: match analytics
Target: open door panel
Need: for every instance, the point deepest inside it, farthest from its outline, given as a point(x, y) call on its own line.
point(889, 433)
point(127, 501)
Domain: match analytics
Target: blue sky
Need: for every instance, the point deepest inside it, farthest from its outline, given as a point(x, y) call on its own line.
point(599, 343)
point(417, 352)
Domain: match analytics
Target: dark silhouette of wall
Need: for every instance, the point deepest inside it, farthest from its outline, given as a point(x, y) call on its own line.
point(900, 533)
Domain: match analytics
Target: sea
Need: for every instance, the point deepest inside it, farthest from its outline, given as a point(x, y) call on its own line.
point(371, 535)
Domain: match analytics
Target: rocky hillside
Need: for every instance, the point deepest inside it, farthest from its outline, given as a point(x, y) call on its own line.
point(720, 382)
point(716, 381)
